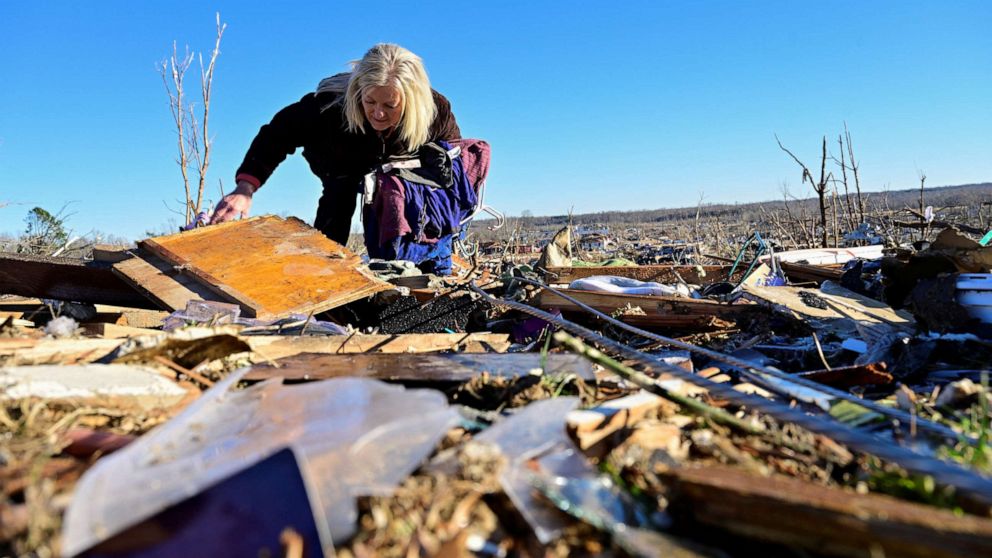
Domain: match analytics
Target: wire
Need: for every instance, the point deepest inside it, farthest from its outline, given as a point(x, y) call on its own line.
point(898, 414)
point(945, 473)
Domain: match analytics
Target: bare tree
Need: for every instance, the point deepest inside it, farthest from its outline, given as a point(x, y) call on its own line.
point(924, 224)
point(819, 186)
point(847, 193)
point(193, 135)
point(854, 169)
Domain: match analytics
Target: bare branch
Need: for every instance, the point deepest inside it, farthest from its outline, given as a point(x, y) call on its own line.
point(193, 137)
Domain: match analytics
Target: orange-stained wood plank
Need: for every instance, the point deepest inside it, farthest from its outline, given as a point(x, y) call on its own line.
point(269, 265)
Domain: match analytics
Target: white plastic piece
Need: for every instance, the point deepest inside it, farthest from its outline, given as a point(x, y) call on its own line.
point(61, 327)
point(353, 436)
point(974, 293)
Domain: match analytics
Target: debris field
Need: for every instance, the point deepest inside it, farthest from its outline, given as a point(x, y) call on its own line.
point(253, 388)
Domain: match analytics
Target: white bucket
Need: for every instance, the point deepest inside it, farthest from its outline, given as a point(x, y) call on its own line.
point(974, 293)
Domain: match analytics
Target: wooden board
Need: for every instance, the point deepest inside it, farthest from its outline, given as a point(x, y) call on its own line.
point(820, 519)
point(799, 273)
point(446, 367)
point(23, 351)
point(845, 313)
point(850, 376)
point(110, 253)
point(590, 426)
point(16, 351)
point(659, 311)
point(162, 283)
point(279, 346)
point(65, 279)
point(114, 331)
point(695, 274)
point(134, 317)
point(269, 265)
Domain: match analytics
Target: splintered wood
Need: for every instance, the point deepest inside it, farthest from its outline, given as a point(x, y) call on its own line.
point(269, 266)
point(659, 273)
point(161, 282)
point(820, 519)
point(835, 309)
point(658, 311)
point(65, 279)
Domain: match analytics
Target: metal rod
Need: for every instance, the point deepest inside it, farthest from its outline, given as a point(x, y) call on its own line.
point(932, 427)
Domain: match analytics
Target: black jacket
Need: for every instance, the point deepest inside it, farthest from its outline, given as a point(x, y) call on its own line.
point(338, 157)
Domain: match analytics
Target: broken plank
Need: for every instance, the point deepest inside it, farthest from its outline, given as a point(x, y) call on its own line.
point(110, 253)
point(106, 385)
point(695, 274)
point(14, 352)
point(65, 279)
point(161, 282)
point(273, 347)
point(820, 519)
point(134, 317)
point(114, 331)
point(282, 266)
point(591, 426)
point(833, 309)
point(446, 367)
point(851, 376)
point(659, 311)
point(846, 299)
point(800, 273)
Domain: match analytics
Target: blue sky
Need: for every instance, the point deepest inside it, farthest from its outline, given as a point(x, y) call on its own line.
point(591, 105)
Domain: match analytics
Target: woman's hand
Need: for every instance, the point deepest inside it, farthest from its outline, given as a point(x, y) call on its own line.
point(234, 205)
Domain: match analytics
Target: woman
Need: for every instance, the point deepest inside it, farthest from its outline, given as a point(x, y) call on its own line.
point(383, 110)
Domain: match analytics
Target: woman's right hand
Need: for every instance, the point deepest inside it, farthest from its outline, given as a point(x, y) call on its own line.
point(234, 205)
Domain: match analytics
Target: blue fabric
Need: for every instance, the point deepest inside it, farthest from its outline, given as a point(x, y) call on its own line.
point(434, 215)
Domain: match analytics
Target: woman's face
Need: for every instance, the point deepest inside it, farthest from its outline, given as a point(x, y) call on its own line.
point(383, 106)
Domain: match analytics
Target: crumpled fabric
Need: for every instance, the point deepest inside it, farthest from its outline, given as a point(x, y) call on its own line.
point(475, 156)
point(626, 285)
point(389, 206)
point(433, 215)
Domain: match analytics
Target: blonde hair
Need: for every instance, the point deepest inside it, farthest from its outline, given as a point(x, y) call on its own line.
point(388, 64)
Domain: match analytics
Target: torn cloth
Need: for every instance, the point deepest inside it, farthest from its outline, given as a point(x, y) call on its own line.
point(389, 205)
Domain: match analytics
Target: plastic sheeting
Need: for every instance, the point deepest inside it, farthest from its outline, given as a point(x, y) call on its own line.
point(537, 429)
point(353, 437)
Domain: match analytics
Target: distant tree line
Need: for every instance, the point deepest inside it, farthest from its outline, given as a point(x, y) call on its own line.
point(946, 196)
